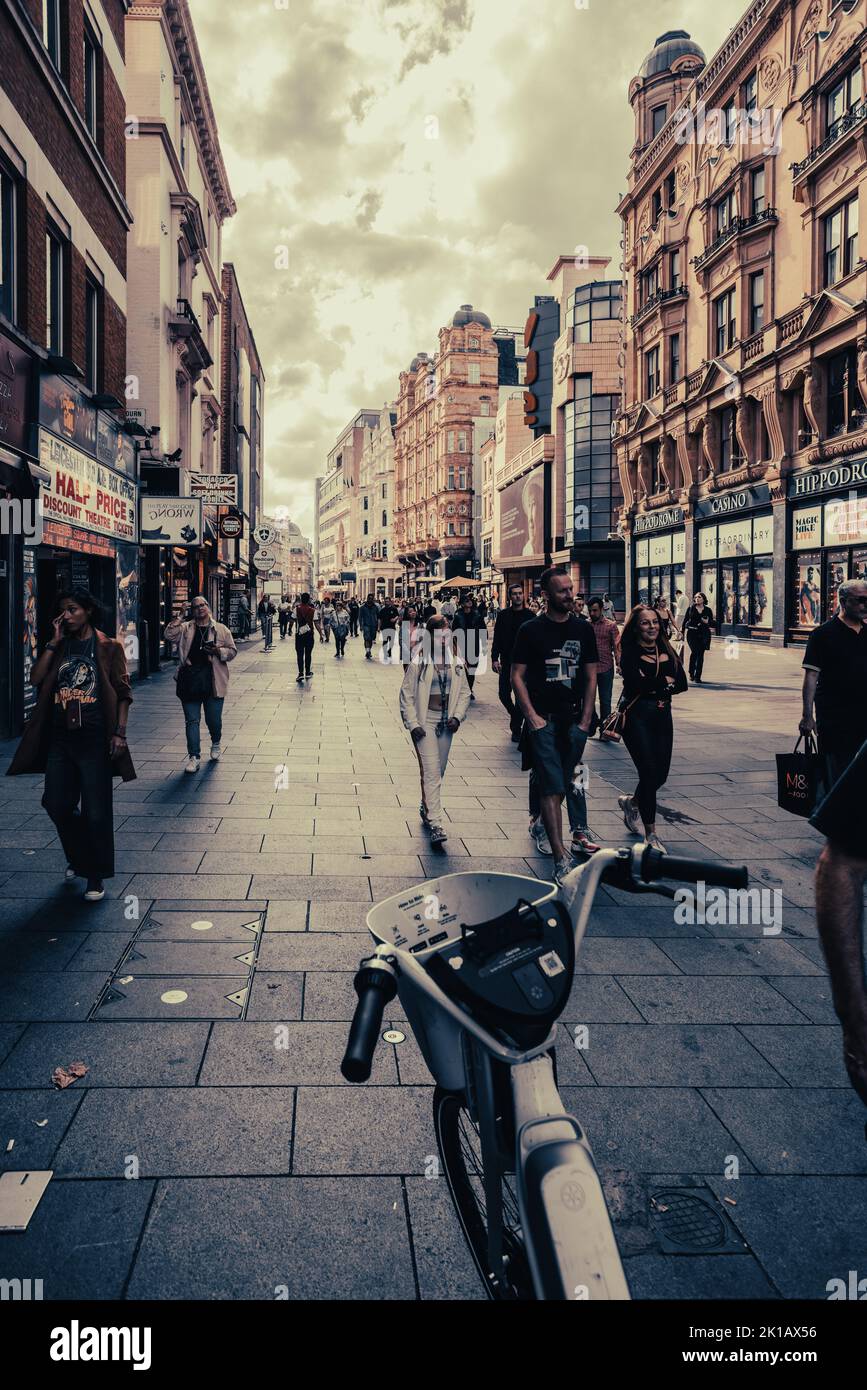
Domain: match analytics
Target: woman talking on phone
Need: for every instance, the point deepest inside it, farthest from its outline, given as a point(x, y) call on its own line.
point(77, 736)
point(205, 648)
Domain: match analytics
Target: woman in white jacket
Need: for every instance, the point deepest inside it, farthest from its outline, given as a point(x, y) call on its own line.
point(434, 700)
point(205, 648)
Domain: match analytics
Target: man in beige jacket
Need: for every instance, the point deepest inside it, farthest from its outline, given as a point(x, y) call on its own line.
point(205, 648)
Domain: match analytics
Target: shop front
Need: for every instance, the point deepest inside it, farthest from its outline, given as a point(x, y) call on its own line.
point(659, 555)
point(19, 526)
point(90, 523)
point(827, 540)
point(735, 560)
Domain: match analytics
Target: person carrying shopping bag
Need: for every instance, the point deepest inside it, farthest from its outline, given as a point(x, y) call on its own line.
point(77, 736)
point(205, 648)
point(434, 699)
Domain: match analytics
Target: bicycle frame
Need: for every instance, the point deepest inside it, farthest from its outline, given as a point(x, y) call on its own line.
point(564, 1218)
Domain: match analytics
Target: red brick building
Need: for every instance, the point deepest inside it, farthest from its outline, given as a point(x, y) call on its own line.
point(64, 221)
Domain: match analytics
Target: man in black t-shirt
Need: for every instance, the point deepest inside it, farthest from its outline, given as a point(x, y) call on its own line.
point(835, 680)
point(554, 662)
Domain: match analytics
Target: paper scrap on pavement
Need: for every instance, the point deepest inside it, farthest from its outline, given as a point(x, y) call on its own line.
point(20, 1194)
point(64, 1076)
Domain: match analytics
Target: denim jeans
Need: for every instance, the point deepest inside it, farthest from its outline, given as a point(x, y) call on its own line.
point(555, 755)
point(213, 718)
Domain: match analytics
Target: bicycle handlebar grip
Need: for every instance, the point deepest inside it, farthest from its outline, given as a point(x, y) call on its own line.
point(375, 987)
point(657, 864)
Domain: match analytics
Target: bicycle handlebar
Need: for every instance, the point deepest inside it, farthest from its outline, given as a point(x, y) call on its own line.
point(656, 864)
point(375, 986)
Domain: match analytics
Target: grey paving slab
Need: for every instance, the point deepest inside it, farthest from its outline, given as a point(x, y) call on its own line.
point(796, 1130)
point(286, 1054)
point(116, 1054)
point(30, 884)
point(740, 958)
point(175, 996)
point(32, 950)
point(806, 1231)
point(100, 950)
point(806, 1055)
point(599, 999)
point(294, 845)
point(350, 1130)
point(80, 1240)
point(653, 1130)
point(329, 995)
point(443, 1262)
point(675, 1055)
point(34, 995)
point(286, 915)
point(339, 916)
point(318, 888)
point(275, 995)
point(719, 999)
point(599, 956)
point(810, 995)
point(180, 1132)
point(698, 1276)
point(9, 1035)
point(311, 951)
point(37, 1121)
point(349, 1240)
point(187, 825)
point(214, 887)
point(225, 860)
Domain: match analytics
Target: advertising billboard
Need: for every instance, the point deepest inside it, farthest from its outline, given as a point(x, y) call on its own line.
point(522, 517)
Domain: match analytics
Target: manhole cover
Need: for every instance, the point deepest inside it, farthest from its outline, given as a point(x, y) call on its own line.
point(687, 1221)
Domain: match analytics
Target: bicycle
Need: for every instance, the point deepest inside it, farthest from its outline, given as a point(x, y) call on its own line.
point(484, 964)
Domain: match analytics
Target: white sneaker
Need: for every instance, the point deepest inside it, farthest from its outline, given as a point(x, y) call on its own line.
point(216, 752)
point(540, 835)
point(71, 874)
point(563, 867)
point(631, 818)
point(655, 843)
point(192, 765)
point(95, 891)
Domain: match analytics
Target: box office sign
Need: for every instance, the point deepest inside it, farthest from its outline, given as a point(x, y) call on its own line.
point(85, 493)
point(171, 521)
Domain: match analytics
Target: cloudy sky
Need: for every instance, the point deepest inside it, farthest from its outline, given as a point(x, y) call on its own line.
point(393, 159)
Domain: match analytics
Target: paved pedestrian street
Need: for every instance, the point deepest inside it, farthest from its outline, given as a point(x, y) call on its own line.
point(213, 1150)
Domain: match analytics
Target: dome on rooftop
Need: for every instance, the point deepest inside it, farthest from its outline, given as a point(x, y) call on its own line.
point(467, 314)
point(674, 44)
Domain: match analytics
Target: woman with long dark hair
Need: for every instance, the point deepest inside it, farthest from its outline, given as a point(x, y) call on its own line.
point(697, 629)
point(77, 736)
point(652, 674)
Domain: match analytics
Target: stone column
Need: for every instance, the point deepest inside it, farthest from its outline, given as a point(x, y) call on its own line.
point(781, 598)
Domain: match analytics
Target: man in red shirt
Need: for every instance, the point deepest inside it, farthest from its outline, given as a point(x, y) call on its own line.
point(305, 616)
point(607, 636)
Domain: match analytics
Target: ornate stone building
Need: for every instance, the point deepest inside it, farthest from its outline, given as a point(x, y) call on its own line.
point(442, 411)
point(742, 446)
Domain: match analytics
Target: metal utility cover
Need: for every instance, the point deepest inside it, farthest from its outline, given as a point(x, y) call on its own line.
point(20, 1195)
point(690, 1221)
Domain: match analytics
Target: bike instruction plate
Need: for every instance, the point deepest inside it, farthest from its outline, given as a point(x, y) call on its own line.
point(428, 915)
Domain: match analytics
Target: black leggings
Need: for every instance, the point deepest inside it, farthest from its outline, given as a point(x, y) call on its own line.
point(649, 736)
point(697, 648)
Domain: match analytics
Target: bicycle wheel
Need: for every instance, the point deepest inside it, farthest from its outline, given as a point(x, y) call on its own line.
point(461, 1156)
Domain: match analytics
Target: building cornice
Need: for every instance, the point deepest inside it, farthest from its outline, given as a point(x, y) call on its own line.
point(58, 89)
point(177, 24)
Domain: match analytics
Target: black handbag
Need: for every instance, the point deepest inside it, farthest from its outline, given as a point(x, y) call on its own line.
point(798, 776)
